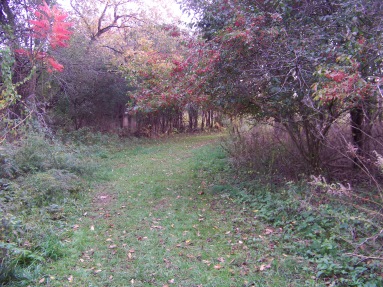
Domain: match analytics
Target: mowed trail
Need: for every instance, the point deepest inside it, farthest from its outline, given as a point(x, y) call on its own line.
point(155, 222)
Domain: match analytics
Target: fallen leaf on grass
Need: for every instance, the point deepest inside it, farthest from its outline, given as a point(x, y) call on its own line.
point(97, 271)
point(92, 228)
point(76, 226)
point(217, 267)
point(41, 280)
point(70, 279)
point(268, 231)
point(140, 238)
point(206, 262)
point(112, 246)
point(264, 267)
point(156, 227)
point(221, 259)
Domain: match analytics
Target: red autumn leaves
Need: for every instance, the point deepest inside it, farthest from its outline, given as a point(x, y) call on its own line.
point(51, 28)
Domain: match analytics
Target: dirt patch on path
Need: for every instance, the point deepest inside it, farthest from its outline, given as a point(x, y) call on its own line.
point(104, 197)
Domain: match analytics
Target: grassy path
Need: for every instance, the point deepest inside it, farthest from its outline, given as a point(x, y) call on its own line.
point(155, 222)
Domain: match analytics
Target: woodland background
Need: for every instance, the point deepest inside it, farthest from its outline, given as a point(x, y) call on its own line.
point(297, 85)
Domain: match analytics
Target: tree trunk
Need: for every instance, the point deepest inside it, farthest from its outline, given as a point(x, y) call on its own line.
point(356, 117)
point(203, 121)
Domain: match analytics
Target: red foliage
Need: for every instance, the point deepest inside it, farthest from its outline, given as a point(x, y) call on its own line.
point(50, 27)
point(337, 76)
point(54, 64)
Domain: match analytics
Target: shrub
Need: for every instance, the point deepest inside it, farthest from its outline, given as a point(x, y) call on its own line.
point(48, 187)
point(32, 155)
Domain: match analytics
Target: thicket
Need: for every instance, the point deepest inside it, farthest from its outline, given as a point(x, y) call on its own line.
point(310, 70)
point(301, 82)
point(334, 232)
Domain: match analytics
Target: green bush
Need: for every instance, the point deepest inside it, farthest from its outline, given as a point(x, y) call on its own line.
point(88, 137)
point(34, 154)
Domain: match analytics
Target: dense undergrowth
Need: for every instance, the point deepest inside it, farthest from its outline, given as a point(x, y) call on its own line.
point(336, 231)
point(40, 181)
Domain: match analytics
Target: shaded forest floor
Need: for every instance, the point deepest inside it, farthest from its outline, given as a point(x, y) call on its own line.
point(154, 221)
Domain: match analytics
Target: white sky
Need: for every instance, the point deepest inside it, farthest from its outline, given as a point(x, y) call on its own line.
point(173, 8)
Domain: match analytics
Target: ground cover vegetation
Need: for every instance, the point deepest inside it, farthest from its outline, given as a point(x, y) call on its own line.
point(145, 218)
point(297, 86)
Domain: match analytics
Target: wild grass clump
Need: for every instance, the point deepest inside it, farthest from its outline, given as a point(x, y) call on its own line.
point(38, 154)
point(39, 179)
point(88, 137)
point(52, 186)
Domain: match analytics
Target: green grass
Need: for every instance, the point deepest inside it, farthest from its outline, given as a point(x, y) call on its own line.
point(172, 212)
point(157, 216)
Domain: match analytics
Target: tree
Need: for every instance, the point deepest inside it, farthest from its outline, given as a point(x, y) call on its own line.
point(25, 61)
point(277, 59)
point(93, 93)
point(100, 17)
point(150, 52)
point(89, 92)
